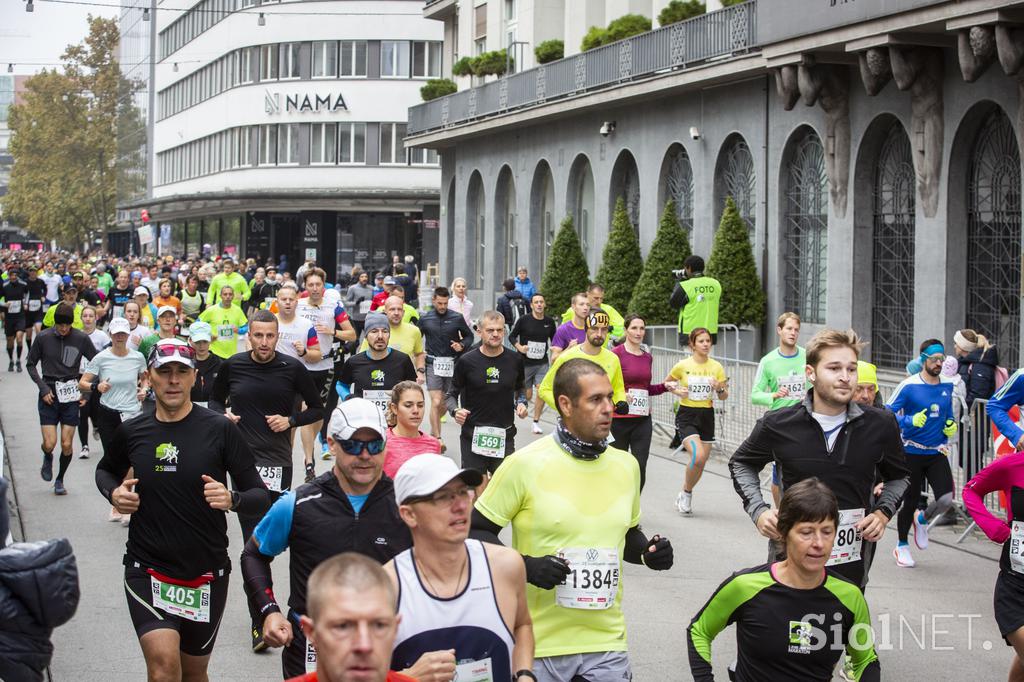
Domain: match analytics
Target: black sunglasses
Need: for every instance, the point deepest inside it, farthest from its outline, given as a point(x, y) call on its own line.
point(355, 447)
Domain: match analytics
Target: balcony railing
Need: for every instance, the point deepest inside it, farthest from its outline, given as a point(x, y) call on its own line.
point(685, 44)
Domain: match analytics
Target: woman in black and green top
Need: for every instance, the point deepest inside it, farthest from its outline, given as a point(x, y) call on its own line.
point(794, 618)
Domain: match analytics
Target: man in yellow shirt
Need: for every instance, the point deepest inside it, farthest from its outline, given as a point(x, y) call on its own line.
point(595, 298)
point(405, 336)
point(574, 506)
point(596, 326)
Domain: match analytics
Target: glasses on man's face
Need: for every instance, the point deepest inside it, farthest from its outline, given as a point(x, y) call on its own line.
point(355, 447)
point(445, 498)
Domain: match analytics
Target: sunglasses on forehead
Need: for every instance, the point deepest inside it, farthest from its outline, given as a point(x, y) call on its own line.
point(169, 350)
point(355, 447)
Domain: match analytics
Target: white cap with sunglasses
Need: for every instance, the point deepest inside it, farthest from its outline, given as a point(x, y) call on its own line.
point(172, 350)
point(354, 414)
point(425, 474)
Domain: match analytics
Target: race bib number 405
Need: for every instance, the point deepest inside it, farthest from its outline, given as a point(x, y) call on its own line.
point(846, 548)
point(593, 580)
point(191, 603)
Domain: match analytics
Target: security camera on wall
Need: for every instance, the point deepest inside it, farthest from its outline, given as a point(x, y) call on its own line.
point(607, 128)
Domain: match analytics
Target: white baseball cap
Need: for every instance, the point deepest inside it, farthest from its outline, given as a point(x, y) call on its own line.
point(425, 474)
point(166, 351)
point(119, 325)
point(166, 309)
point(354, 414)
point(140, 290)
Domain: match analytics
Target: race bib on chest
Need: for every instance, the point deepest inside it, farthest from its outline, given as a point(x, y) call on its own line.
point(639, 402)
point(310, 657)
point(201, 403)
point(272, 477)
point(535, 350)
point(364, 307)
point(699, 387)
point(473, 671)
point(225, 331)
point(846, 548)
point(379, 398)
point(489, 441)
point(1017, 546)
point(444, 367)
point(191, 603)
point(796, 386)
point(593, 580)
point(14, 307)
point(67, 391)
point(34, 305)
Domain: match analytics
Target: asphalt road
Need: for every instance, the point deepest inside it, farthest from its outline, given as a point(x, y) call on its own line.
point(932, 622)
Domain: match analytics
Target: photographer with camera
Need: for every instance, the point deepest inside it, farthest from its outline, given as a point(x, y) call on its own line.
point(697, 296)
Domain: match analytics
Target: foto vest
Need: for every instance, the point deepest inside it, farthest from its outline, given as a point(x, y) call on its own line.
point(701, 309)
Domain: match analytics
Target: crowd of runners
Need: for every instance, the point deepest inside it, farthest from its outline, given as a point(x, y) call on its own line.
point(198, 375)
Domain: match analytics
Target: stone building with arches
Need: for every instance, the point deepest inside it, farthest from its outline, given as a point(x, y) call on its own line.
point(874, 154)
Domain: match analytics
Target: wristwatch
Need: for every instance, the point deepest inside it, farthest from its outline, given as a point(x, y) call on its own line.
point(528, 674)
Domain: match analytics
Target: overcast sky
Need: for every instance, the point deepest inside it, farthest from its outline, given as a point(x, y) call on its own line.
point(42, 35)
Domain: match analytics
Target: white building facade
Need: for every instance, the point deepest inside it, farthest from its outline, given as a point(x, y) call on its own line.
point(278, 131)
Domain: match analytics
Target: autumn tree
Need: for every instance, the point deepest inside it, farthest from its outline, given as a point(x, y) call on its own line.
point(65, 141)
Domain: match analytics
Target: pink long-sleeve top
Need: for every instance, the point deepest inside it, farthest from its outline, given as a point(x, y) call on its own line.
point(636, 373)
point(1006, 474)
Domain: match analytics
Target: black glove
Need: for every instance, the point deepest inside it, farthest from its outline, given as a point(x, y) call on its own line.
point(622, 407)
point(545, 571)
point(661, 558)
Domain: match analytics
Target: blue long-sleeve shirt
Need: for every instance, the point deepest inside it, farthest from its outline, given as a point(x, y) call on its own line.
point(911, 397)
point(999, 406)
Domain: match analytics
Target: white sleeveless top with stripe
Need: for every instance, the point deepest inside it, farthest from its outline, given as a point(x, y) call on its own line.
point(469, 622)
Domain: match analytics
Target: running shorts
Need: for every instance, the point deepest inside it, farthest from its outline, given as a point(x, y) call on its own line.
point(535, 375)
point(1008, 601)
point(197, 639)
point(323, 380)
point(436, 383)
point(14, 324)
point(696, 421)
point(58, 413)
point(33, 317)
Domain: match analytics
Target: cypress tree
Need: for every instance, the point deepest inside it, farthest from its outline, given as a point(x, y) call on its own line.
point(566, 271)
point(732, 264)
point(670, 248)
point(621, 262)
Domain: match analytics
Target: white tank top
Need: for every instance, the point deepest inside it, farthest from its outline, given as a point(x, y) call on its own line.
point(470, 622)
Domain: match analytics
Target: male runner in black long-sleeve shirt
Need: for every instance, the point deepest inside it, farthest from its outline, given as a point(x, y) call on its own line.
point(265, 390)
point(176, 559)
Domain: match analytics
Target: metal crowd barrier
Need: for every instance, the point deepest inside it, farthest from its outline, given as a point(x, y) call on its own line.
point(970, 451)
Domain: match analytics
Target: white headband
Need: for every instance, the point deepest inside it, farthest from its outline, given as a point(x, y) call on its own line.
point(963, 343)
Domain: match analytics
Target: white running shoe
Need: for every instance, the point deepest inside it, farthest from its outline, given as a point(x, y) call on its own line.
point(920, 531)
point(84, 454)
point(684, 503)
point(537, 429)
point(903, 557)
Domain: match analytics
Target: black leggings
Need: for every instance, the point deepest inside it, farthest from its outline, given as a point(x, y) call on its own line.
point(935, 469)
point(89, 409)
point(106, 421)
point(634, 434)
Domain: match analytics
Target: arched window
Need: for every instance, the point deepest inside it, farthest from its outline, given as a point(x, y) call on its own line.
point(994, 238)
point(805, 229)
point(581, 202)
point(476, 233)
point(626, 184)
point(542, 216)
point(892, 314)
point(677, 185)
point(506, 238)
point(735, 177)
